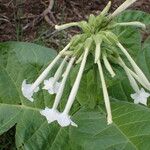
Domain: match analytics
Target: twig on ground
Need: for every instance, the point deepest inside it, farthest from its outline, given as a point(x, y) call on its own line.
point(47, 15)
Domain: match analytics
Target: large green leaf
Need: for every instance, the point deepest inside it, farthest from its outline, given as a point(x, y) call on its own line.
point(130, 130)
point(21, 61)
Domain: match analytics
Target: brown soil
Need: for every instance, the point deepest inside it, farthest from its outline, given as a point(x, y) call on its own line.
point(15, 14)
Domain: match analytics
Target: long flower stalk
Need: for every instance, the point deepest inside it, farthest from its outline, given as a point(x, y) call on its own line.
point(76, 83)
point(59, 71)
point(65, 26)
point(122, 7)
point(134, 23)
point(98, 42)
point(130, 77)
point(62, 86)
point(105, 93)
point(134, 75)
point(108, 66)
point(47, 70)
point(134, 65)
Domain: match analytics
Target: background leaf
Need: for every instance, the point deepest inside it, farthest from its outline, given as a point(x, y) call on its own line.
point(130, 130)
point(19, 61)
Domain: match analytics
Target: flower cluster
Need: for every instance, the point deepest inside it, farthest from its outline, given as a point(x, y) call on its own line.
point(97, 38)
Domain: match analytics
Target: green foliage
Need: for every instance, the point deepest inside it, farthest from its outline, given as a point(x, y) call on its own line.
point(130, 130)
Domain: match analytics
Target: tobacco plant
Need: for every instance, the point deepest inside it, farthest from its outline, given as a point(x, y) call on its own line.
point(98, 39)
point(42, 105)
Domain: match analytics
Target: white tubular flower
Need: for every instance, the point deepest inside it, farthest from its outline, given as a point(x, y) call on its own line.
point(130, 77)
point(134, 65)
point(122, 7)
point(140, 97)
point(138, 79)
point(65, 26)
point(105, 93)
point(64, 120)
point(50, 114)
point(29, 89)
point(52, 85)
point(76, 83)
point(134, 23)
point(108, 66)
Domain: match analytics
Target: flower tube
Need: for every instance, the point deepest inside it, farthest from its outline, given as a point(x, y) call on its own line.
point(79, 59)
point(29, 89)
point(140, 96)
point(108, 66)
point(134, 65)
point(52, 114)
point(59, 94)
point(134, 75)
point(134, 23)
point(64, 118)
point(65, 26)
point(105, 93)
point(130, 77)
point(122, 7)
point(98, 42)
point(52, 84)
point(138, 79)
point(106, 9)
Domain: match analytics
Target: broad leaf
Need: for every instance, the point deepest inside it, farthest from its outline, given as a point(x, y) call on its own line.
point(21, 61)
point(130, 130)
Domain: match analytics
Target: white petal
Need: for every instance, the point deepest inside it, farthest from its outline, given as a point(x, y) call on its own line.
point(50, 114)
point(51, 91)
point(51, 86)
point(57, 86)
point(48, 83)
point(27, 90)
point(140, 97)
point(64, 120)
